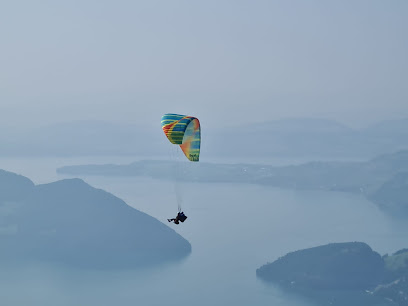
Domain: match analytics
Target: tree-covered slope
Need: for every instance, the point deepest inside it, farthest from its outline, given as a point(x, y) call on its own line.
point(342, 274)
point(352, 265)
point(71, 222)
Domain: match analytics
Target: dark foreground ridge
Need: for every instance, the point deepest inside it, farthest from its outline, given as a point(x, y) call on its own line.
point(70, 222)
point(342, 274)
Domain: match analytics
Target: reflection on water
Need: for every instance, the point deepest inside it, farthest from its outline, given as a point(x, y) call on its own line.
point(233, 230)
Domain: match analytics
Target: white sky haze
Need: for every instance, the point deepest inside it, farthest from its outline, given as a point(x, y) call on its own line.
point(222, 61)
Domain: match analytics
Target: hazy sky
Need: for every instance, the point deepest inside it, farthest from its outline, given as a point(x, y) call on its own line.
point(223, 61)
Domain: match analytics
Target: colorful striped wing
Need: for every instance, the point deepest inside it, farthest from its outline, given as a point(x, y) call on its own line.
point(184, 131)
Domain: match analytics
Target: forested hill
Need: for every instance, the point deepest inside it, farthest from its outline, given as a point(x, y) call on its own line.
point(349, 273)
point(71, 222)
point(392, 196)
point(342, 266)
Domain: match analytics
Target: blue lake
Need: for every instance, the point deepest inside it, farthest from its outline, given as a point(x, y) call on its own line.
point(233, 230)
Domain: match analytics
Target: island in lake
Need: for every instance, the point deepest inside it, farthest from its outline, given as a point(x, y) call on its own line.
point(342, 274)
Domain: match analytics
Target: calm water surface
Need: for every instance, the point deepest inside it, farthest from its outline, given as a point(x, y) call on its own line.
point(233, 230)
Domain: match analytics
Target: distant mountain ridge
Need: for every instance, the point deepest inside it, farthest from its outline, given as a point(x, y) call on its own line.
point(356, 177)
point(70, 222)
point(308, 125)
point(298, 137)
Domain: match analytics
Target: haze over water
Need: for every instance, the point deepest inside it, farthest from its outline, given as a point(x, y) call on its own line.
point(233, 230)
point(75, 75)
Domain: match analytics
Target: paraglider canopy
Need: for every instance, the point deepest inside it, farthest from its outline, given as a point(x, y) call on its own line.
point(185, 132)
